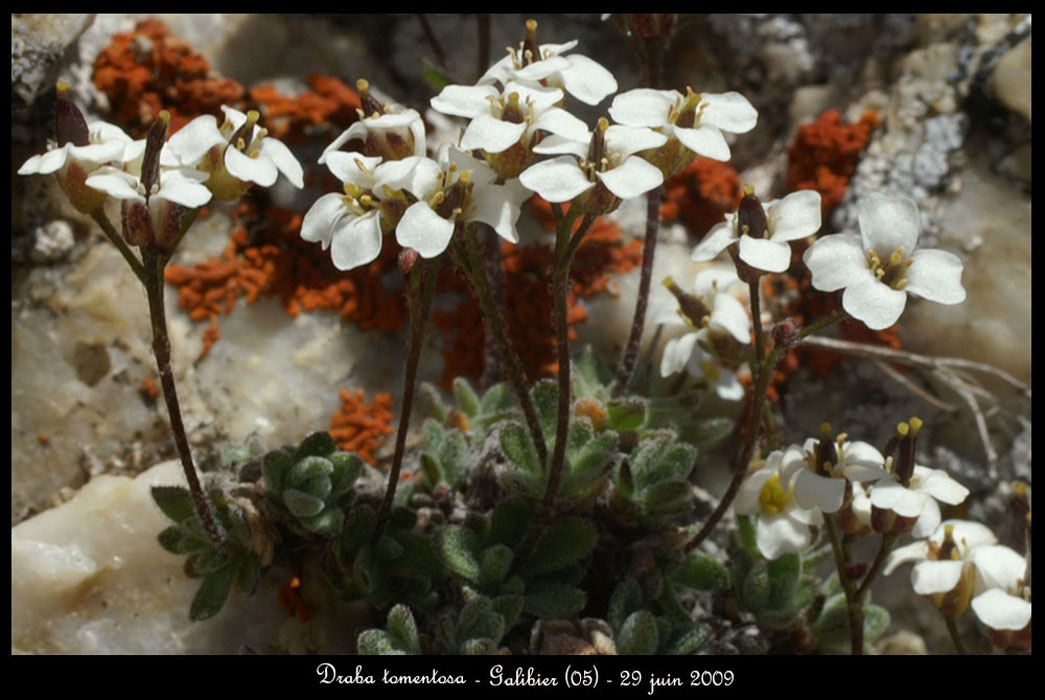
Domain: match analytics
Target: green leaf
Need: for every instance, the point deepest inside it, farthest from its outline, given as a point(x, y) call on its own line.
point(377, 643)
point(783, 576)
point(626, 413)
point(359, 525)
point(638, 635)
point(562, 543)
point(347, 467)
point(708, 432)
point(554, 600)
point(832, 627)
point(745, 534)
point(175, 502)
point(594, 458)
point(478, 621)
point(173, 540)
point(509, 607)
point(418, 558)
point(479, 647)
point(702, 572)
point(510, 520)
point(545, 395)
point(249, 572)
point(275, 466)
point(301, 504)
point(318, 444)
point(387, 548)
point(456, 547)
point(212, 593)
point(756, 588)
point(497, 399)
point(453, 456)
point(518, 448)
point(626, 597)
point(689, 641)
point(466, 398)
point(495, 562)
point(429, 395)
point(667, 497)
point(403, 628)
point(876, 619)
point(589, 376)
point(367, 572)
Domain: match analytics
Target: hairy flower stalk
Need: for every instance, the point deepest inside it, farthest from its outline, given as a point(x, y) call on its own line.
point(421, 288)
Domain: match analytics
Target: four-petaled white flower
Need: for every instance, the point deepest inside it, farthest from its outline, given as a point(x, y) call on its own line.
point(504, 123)
point(880, 265)
point(696, 121)
point(918, 500)
point(578, 75)
point(462, 190)
point(613, 164)
point(783, 525)
point(856, 461)
point(688, 352)
point(235, 154)
point(795, 216)
point(353, 224)
point(962, 559)
point(396, 134)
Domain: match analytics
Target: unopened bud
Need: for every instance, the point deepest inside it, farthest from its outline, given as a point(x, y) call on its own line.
point(751, 217)
point(407, 258)
point(69, 124)
point(785, 333)
point(150, 177)
point(369, 103)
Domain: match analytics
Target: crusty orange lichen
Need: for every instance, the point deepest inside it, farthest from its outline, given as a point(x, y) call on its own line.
point(290, 599)
point(361, 428)
point(701, 195)
point(328, 102)
point(824, 155)
point(148, 389)
point(146, 70)
point(265, 256)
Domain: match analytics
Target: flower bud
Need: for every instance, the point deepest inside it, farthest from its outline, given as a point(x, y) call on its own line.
point(751, 217)
point(69, 124)
point(406, 260)
point(785, 333)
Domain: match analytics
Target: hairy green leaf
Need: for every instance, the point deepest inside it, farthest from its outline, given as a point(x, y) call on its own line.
point(457, 547)
point(212, 593)
point(518, 448)
point(702, 572)
point(639, 634)
point(466, 398)
point(318, 444)
point(175, 502)
point(554, 600)
point(562, 543)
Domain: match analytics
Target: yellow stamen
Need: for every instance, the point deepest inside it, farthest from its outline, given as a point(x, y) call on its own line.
point(362, 84)
point(903, 429)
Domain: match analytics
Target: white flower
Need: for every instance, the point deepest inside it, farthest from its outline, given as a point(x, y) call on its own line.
point(462, 190)
point(918, 500)
point(795, 216)
point(150, 218)
point(393, 133)
point(696, 121)
point(578, 75)
point(1001, 610)
point(880, 265)
point(505, 123)
point(854, 461)
point(783, 525)
point(686, 352)
point(948, 564)
point(353, 224)
point(235, 154)
point(605, 157)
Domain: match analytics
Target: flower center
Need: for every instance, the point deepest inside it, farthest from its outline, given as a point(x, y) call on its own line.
point(773, 496)
point(686, 113)
point(891, 272)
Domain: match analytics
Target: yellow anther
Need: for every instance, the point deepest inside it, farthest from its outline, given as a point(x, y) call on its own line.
point(916, 425)
point(240, 144)
point(362, 84)
point(705, 322)
point(163, 117)
point(437, 199)
point(253, 116)
point(842, 437)
point(897, 257)
point(773, 497)
point(531, 25)
point(255, 154)
point(888, 464)
point(879, 273)
point(63, 89)
point(375, 115)
point(825, 429)
point(900, 285)
point(528, 56)
point(749, 190)
point(827, 467)
point(908, 262)
point(465, 176)
point(366, 200)
point(602, 124)
point(903, 429)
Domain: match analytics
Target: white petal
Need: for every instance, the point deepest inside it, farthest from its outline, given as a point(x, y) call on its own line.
point(795, 216)
point(937, 276)
point(540, 96)
point(747, 500)
point(241, 166)
point(191, 142)
point(344, 166)
point(938, 484)
point(494, 205)
point(424, 230)
point(677, 352)
point(998, 566)
point(765, 254)
point(556, 180)
point(481, 173)
point(727, 385)
point(1001, 611)
point(235, 116)
point(712, 280)
point(892, 496)
point(418, 176)
point(553, 144)
point(714, 242)
point(872, 302)
point(815, 491)
point(778, 534)
point(464, 100)
point(562, 123)
point(643, 107)
point(539, 70)
point(115, 183)
point(901, 555)
point(355, 131)
point(356, 240)
point(499, 72)
point(104, 131)
point(587, 80)
point(930, 577)
point(704, 141)
point(626, 140)
point(833, 259)
point(729, 315)
point(928, 521)
point(729, 111)
point(319, 221)
point(862, 462)
point(967, 533)
point(888, 223)
point(631, 178)
point(276, 151)
point(491, 134)
point(98, 152)
point(182, 190)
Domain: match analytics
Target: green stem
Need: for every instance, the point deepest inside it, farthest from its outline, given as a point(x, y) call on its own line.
point(154, 261)
point(121, 245)
point(649, 246)
point(952, 628)
point(888, 542)
point(475, 273)
point(423, 277)
point(854, 606)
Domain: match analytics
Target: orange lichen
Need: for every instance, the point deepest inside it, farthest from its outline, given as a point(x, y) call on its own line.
point(265, 256)
point(701, 195)
point(148, 389)
point(361, 428)
point(329, 101)
point(824, 155)
point(148, 70)
point(290, 599)
point(42, 438)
